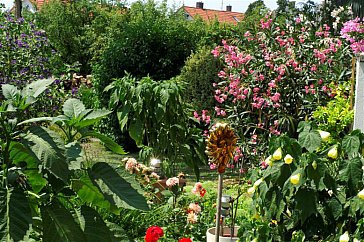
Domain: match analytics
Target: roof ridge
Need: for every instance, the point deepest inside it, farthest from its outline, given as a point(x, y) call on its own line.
point(214, 10)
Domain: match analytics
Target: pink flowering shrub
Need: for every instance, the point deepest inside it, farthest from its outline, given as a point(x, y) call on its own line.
point(276, 77)
point(353, 31)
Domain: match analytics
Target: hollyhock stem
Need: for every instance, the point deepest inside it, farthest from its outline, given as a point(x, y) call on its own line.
point(218, 207)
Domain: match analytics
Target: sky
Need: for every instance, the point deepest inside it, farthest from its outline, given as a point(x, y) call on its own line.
point(237, 5)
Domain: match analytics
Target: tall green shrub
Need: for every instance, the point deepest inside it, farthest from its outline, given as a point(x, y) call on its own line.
point(155, 116)
point(152, 41)
point(199, 73)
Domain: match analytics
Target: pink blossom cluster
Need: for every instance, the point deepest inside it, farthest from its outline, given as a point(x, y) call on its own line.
point(192, 212)
point(173, 181)
point(204, 117)
point(271, 72)
point(134, 167)
point(353, 31)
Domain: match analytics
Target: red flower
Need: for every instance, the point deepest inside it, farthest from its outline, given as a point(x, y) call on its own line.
point(153, 233)
point(185, 240)
point(202, 192)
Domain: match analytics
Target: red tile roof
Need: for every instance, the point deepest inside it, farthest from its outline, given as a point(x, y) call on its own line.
point(39, 3)
point(210, 15)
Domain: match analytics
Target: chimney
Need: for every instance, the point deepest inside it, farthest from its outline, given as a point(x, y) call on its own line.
point(199, 5)
point(228, 8)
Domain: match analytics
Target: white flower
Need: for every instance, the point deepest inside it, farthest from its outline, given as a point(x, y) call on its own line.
point(344, 237)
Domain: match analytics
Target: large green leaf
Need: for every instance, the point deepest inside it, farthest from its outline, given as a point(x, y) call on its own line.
point(15, 215)
point(89, 193)
point(136, 131)
point(9, 91)
point(123, 116)
point(36, 88)
point(306, 203)
point(311, 140)
point(353, 174)
point(351, 144)
point(49, 148)
point(121, 191)
point(74, 154)
point(93, 226)
point(73, 107)
point(19, 153)
point(91, 118)
point(59, 225)
point(108, 142)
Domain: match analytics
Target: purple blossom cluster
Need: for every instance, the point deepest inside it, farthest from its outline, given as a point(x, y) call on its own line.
point(353, 31)
point(24, 51)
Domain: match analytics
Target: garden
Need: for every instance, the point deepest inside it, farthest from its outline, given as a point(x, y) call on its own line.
point(134, 124)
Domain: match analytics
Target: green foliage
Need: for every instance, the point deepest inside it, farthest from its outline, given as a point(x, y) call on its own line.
point(74, 29)
point(317, 193)
point(42, 174)
point(150, 41)
point(336, 117)
point(156, 118)
point(199, 75)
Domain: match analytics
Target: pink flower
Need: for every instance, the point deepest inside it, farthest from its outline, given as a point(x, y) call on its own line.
point(212, 166)
point(197, 188)
point(195, 208)
point(172, 182)
point(130, 164)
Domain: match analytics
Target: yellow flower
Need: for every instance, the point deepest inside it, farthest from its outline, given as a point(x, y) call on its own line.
point(295, 179)
point(314, 165)
point(288, 159)
point(277, 155)
point(332, 153)
point(251, 191)
point(221, 145)
point(344, 237)
point(257, 182)
point(269, 160)
point(324, 135)
point(361, 194)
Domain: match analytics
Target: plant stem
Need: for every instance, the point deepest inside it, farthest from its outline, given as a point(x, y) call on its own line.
point(218, 207)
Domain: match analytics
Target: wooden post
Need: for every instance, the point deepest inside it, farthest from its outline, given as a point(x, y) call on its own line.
point(218, 206)
point(359, 94)
point(18, 8)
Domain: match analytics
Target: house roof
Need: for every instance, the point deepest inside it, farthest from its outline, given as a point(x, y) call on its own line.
point(210, 15)
point(39, 3)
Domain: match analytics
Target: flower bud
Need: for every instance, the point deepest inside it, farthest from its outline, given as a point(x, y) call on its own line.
point(295, 179)
point(288, 159)
point(269, 161)
point(277, 155)
point(257, 182)
point(324, 135)
point(344, 237)
point(361, 194)
point(314, 165)
point(251, 191)
point(332, 153)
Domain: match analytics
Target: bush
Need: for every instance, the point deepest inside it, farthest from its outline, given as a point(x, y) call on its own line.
point(155, 116)
point(199, 73)
point(276, 77)
point(151, 42)
point(317, 191)
point(74, 28)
